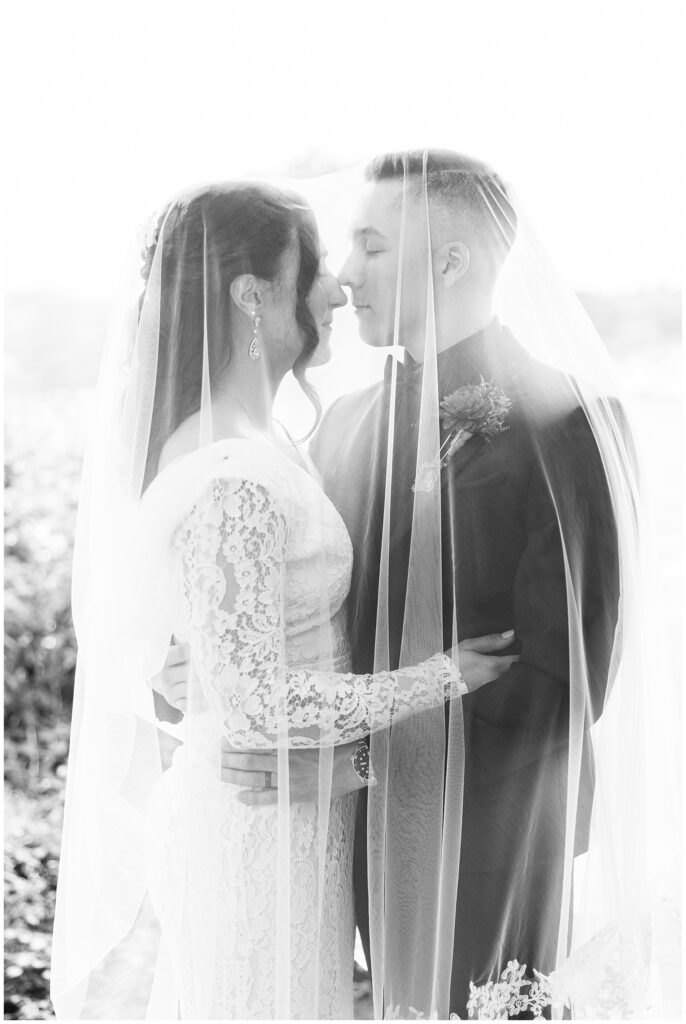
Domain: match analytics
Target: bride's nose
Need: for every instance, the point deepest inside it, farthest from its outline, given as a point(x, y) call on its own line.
point(335, 293)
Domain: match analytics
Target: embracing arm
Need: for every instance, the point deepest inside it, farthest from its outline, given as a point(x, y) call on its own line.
point(568, 571)
point(233, 550)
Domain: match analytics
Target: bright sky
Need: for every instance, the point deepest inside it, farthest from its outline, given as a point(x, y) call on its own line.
point(118, 105)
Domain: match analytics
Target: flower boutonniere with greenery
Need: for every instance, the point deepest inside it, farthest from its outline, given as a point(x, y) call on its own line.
point(474, 409)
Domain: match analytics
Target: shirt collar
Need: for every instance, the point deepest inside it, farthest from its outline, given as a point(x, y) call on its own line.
point(463, 361)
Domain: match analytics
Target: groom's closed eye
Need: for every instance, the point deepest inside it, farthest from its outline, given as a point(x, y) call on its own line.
point(369, 237)
point(374, 246)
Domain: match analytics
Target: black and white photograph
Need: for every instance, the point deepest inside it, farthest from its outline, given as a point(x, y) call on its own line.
point(343, 446)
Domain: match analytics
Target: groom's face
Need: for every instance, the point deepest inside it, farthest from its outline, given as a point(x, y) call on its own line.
point(371, 268)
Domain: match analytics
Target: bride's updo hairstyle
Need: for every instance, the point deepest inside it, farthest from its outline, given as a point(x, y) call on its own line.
point(208, 238)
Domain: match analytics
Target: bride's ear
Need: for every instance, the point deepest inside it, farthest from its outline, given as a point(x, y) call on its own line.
point(247, 292)
point(453, 262)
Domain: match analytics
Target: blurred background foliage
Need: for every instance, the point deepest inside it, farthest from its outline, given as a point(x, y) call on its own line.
point(52, 354)
point(44, 437)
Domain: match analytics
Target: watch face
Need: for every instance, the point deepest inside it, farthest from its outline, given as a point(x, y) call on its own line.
point(361, 762)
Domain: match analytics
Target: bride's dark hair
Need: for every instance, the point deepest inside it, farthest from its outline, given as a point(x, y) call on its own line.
point(210, 237)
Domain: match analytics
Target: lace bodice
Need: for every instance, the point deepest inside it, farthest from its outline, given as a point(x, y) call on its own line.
point(265, 567)
point(261, 572)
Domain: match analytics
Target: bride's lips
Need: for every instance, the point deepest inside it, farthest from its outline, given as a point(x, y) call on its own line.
point(361, 309)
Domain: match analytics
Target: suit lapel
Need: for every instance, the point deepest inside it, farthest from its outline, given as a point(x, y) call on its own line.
point(463, 457)
point(493, 353)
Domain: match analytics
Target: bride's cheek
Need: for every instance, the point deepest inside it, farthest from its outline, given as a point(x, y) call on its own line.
point(317, 303)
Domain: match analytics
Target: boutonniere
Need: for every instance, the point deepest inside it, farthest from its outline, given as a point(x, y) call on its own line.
point(473, 409)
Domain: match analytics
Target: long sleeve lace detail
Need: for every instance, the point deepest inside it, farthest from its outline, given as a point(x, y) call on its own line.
point(233, 548)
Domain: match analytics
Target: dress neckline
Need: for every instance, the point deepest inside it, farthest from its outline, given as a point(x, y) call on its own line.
point(168, 504)
point(206, 452)
point(300, 465)
point(269, 446)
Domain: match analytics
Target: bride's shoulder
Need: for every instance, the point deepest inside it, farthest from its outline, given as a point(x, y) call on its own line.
point(236, 477)
point(186, 437)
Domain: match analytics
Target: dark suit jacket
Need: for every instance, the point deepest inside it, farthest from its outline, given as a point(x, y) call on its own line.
point(503, 563)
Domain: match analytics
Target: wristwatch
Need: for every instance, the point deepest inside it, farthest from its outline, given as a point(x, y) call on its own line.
point(361, 762)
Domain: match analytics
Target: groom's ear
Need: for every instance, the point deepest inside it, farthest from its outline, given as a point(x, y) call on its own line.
point(246, 290)
point(453, 262)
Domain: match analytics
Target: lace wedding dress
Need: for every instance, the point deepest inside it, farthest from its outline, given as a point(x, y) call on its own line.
point(252, 557)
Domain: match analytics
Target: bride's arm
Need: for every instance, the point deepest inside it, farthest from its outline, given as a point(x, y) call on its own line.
point(233, 549)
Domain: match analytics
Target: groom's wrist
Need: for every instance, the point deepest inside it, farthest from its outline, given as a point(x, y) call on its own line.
point(360, 761)
point(346, 779)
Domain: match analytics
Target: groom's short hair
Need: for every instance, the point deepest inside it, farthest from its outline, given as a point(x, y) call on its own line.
point(457, 184)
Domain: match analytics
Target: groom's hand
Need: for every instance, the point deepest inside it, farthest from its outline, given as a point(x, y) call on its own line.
point(259, 771)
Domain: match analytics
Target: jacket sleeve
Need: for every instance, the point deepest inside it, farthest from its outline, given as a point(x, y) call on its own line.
point(566, 601)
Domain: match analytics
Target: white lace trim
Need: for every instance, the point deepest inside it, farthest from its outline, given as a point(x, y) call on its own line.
point(253, 578)
point(234, 552)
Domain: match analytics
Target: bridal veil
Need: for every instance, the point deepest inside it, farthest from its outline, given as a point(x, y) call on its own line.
point(548, 776)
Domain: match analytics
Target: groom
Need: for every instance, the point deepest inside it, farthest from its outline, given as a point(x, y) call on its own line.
point(501, 551)
point(502, 555)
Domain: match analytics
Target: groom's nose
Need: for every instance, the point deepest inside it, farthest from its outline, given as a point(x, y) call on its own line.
point(350, 274)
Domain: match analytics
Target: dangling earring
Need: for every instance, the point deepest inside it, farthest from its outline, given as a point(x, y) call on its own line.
point(254, 351)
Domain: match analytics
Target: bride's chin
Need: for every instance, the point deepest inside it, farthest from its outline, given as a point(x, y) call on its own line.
point(321, 355)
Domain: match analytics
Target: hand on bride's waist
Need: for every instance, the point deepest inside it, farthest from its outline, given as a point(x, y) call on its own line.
point(309, 771)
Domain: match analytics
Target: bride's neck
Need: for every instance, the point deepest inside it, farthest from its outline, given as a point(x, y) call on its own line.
point(250, 388)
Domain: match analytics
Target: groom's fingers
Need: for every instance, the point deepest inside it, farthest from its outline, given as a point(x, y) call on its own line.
point(173, 675)
point(174, 691)
point(238, 778)
point(226, 745)
point(258, 797)
point(250, 762)
point(178, 654)
point(489, 643)
point(229, 749)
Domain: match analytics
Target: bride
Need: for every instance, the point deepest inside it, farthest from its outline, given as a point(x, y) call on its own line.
point(201, 518)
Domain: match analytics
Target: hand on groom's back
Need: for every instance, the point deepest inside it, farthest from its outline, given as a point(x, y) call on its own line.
point(170, 685)
point(480, 661)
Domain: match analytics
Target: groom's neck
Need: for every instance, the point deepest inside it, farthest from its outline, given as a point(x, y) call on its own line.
point(454, 325)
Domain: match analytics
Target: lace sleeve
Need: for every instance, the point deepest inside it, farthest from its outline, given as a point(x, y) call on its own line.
point(233, 548)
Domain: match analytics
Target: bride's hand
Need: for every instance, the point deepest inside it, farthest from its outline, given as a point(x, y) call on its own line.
point(478, 660)
point(172, 682)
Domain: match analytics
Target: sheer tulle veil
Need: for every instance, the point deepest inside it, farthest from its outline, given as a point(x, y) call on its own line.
point(514, 418)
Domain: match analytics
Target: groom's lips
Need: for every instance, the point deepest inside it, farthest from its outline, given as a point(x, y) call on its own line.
point(360, 309)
